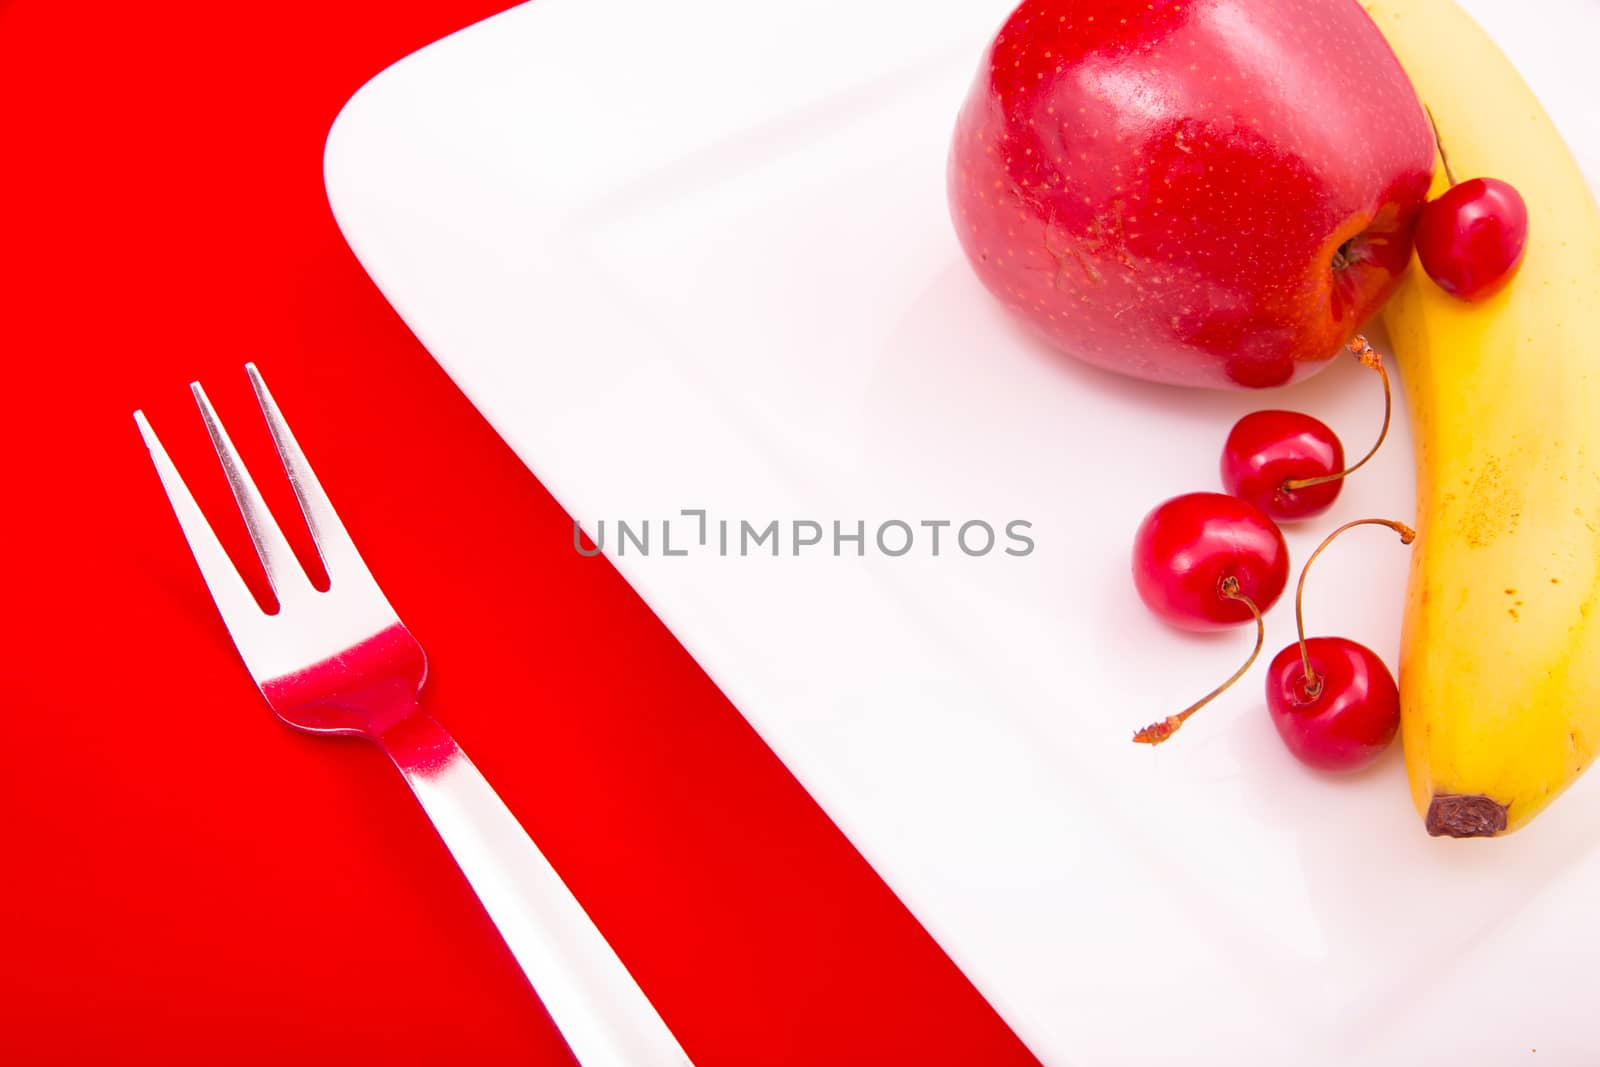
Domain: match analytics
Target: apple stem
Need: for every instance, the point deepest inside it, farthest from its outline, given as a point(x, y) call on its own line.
point(1158, 732)
point(1369, 357)
point(1450, 175)
point(1407, 535)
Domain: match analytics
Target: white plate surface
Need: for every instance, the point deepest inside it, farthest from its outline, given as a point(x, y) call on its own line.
point(695, 254)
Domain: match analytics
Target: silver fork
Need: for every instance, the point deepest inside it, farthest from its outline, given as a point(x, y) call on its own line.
point(341, 662)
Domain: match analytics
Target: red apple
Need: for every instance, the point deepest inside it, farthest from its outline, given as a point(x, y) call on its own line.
point(1202, 192)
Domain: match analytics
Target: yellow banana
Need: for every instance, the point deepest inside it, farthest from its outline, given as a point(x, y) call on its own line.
point(1500, 656)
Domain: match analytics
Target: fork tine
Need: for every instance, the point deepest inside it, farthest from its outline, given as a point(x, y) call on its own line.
point(234, 599)
point(339, 556)
point(284, 572)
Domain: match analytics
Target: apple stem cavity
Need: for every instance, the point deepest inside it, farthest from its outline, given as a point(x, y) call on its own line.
point(1444, 157)
point(1158, 732)
point(1313, 683)
point(1369, 357)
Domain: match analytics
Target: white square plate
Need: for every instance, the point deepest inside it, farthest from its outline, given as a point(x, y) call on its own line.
point(695, 254)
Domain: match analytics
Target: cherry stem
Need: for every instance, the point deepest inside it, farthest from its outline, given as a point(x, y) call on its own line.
point(1363, 351)
point(1449, 174)
point(1158, 732)
point(1407, 535)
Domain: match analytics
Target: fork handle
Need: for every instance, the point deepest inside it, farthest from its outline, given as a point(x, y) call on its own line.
point(600, 1010)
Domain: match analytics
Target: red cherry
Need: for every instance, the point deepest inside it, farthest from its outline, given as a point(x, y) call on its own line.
point(1333, 701)
point(1204, 561)
point(1472, 239)
point(1267, 450)
point(1342, 717)
point(1291, 465)
point(1187, 547)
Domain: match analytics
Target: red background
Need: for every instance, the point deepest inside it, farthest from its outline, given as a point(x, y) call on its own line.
point(185, 880)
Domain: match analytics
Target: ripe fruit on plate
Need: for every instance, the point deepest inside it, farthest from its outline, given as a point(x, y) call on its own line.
point(1333, 701)
point(1205, 561)
point(1203, 192)
point(1500, 652)
point(1291, 465)
point(1268, 457)
point(1189, 546)
point(1472, 238)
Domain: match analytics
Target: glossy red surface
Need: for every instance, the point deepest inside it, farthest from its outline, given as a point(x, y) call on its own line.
point(1472, 239)
point(1344, 723)
point(1266, 450)
point(1164, 188)
point(1188, 545)
point(365, 691)
point(187, 881)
